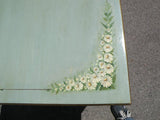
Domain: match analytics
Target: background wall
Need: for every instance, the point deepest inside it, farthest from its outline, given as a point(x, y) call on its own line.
point(142, 34)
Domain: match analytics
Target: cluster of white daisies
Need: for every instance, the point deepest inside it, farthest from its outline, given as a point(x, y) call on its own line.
point(99, 76)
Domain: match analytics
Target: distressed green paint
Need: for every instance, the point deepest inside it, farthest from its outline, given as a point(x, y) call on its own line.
point(102, 73)
point(42, 41)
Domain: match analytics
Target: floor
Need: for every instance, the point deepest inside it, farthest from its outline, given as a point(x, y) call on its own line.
point(142, 34)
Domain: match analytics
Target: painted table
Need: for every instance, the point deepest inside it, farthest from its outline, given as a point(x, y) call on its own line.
point(62, 52)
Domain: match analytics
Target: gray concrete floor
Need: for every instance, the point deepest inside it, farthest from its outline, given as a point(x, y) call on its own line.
point(142, 34)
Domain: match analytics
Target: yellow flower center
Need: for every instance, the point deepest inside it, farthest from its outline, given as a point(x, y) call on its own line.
point(77, 85)
point(68, 87)
point(107, 56)
point(101, 72)
point(102, 64)
point(107, 37)
point(105, 79)
point(95, 76)
point(89, 84)
point(108, 67)
point(107, 46)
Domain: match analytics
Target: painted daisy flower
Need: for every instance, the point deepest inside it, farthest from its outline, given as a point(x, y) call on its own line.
point(102, 73)
point(102, 42)
point(96, 69)
point(68, 88)
point(108, 57)
point(100, 57)
point(88, 76)
point(76, 79)
point(109, 68)
point(78, 86)
point(61, 89)
point(56, 89)
point(108, 30)
point(101, 49)
point(108, 38)
point(101, 64)
point(107, 48)
point(83, 79)
point(106, 81)
point(61, 85)
point(71, 82)
point(95, 78)
point(91, 85)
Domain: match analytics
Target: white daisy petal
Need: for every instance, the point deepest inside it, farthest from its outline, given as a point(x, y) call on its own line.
point(102, 42)
point(56, 89)
point(78, 86)
point(107, 48)
point(68, 88)
point(95, 78)
point(106, 81)
point(71, 82)
point(102, 73)
point(88, 76)
point(101, 64)
point(109, 68)
point(83, 79)
point(76, 79)
point(91, 85)
point(108, 57)
point(100, 57)
point(108, 38)
point(96, 69)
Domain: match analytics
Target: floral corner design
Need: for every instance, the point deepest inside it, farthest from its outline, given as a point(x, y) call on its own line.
point(102, 75)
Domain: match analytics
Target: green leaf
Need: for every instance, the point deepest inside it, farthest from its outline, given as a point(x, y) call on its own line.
point(91, 70)
point(105, 19)
point(56, 85)
point(110, 19)
point(112, 86)
point(108, 6)
point(106, 14)
point(98, 86)
point(103, 88)
point(108, 33)
point(52, 85)
point(74, 78)
point(114, 78)
point(57, 91)
point(52, 90)
point(105, 25)
point(111, 25)
point(109, 14)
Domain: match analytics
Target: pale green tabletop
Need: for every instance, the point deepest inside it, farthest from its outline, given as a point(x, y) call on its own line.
point(51, 52)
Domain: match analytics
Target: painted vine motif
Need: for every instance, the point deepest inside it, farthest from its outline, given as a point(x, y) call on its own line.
point(102, 75)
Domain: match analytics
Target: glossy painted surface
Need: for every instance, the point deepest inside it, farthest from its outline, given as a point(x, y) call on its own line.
point(44, 41)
